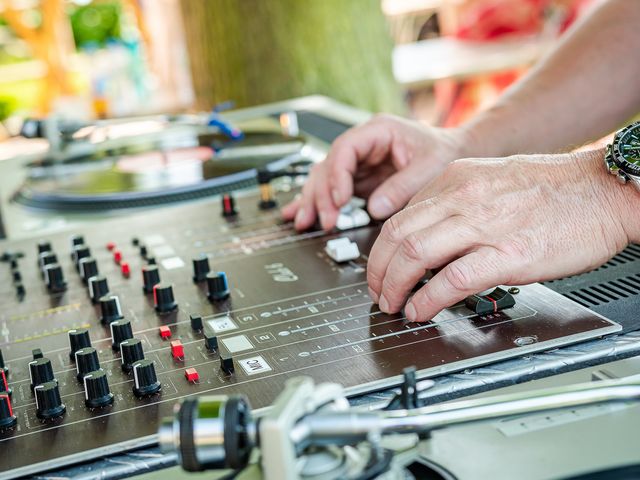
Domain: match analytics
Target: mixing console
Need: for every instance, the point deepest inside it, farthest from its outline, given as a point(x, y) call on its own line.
point(103, 330)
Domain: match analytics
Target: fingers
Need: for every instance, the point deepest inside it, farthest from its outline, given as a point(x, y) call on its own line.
point(289, 211)
point(420, 251)
point(420, 216)
point(472, 273)
point(398, 189)
point(306, 214)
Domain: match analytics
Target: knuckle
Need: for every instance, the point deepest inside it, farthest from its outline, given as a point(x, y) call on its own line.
point(412, 248)
point(391, 230)
point(458, 276)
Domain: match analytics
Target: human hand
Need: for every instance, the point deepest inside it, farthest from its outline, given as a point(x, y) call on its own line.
point(508, 221)
point(386, 160)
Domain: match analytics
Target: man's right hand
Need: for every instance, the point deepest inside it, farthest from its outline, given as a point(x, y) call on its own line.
point(386, 160)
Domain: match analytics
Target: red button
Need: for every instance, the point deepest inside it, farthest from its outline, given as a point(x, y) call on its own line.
point(117, 256)
point(165, 332)
point(111, 246)
point(125, 269)
point(192, 375)
point(177, 349)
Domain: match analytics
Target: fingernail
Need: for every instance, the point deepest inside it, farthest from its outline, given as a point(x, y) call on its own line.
point(373, 295)
point(383, 304)
point(410, 312)
point(299, 216)
point(380, 207)
point(335, 195)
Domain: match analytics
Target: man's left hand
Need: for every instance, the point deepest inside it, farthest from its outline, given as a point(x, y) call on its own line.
point(506, 221)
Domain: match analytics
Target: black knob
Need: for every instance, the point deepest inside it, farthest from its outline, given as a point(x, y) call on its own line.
point(16, 276)
point(228, 206)
point(76, 240)
point(20, 291)
point(150, 278)
point(54, 278)
point(120, 331)
point(40, 371)
point(151, 260)
point(78, 339)
point(48, 401)
point(86, 361)
point(44, 246)
point(200, 268)
point(217, 285)
point(3, 367)
point(96, 389)
point(135, 241)
point(7, 418)
point(4, 384)
point(145, 381)
point(110, 309)
point(47, 258)
point(226, 364)
point(98, 288)
point(143, 251)
point(80, 252)
point(163, 298)
point(131, 351)
point(88, 267)
point(196, 322)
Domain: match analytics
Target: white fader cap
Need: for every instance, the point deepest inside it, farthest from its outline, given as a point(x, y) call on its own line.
point(342, 249)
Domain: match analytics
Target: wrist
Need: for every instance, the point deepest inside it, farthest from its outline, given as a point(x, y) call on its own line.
point(621, 201)
point(479, 138)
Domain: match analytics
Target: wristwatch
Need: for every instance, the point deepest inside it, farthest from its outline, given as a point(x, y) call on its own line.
point(622, 157)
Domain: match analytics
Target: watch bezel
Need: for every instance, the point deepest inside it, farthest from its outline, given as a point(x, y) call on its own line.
point(618, 157)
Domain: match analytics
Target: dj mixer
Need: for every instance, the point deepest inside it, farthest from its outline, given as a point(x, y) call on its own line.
point(107, 324)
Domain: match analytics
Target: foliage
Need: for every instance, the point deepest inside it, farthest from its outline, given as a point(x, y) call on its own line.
point(96, 24)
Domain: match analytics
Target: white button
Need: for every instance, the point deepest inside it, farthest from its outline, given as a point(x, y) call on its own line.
point(254, 365)
point(238, 343)
point(222, 324)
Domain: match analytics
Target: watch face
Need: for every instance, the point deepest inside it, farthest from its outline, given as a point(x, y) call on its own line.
point(626, 149)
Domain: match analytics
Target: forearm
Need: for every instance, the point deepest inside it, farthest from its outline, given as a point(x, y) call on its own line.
point(583, 90)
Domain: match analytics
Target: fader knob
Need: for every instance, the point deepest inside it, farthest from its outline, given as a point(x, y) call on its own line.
point(88, 267)
point(3, 367)
point(228, 206)
point(48, 401)
point(131, 351)
point(40, 371)
point(86, 361)
point(96, 389)
point(7, 418)
point(110, 309)
point(200, 268)
point(163, 298)
point(145, 380)
point(80, 252)
point(78, 339)
point(98, 288)
point(150, 278)
point(44, 246)
point(217, 285)
point(55, 278)
point(120, 331)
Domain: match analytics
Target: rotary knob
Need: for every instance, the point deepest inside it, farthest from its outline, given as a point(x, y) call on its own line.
point(86, 361)
point(150, 278)
point(55, 278)
point(47, 258)
point(48, 401)
point(163, 298)
point(98, 288)
point(200, 268)
point(131, 351)
point(110, 309)
point(96, 389)
point(228, 206)
point(40, 371)
point(78, 339)
point(217, 285)
point(88, 268)
point(145, 381)
point(7, 418)
point(120, 331)
point(44, 246)
point(3, 367)
point(79, 252)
